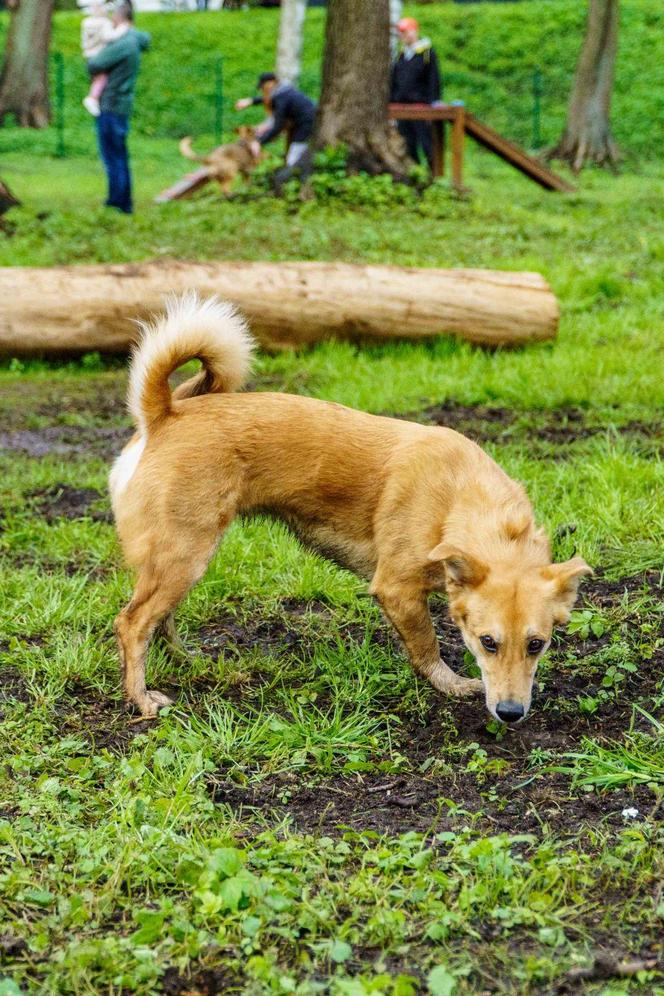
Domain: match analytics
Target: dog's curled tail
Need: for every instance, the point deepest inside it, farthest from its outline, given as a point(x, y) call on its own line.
point(211, 331)
point(187, 151)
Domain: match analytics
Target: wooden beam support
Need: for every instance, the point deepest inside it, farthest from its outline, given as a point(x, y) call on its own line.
point(458, 132)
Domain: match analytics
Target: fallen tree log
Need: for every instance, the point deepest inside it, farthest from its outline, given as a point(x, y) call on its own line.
point(80, 309)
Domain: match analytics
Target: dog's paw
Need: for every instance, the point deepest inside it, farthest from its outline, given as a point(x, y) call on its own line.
point(466, 687)
point(152, 702)
point(447, 681)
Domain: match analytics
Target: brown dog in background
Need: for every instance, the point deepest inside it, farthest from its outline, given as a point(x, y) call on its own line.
point(227, 161)
point(413, 509)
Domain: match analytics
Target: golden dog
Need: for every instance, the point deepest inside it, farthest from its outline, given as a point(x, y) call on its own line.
point(227, 161)
point(411, 508)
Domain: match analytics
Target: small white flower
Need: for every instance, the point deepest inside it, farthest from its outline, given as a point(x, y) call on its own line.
point(630, 813)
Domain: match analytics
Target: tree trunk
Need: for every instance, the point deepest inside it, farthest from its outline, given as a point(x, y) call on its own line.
point(74, 309)
point(289, 46)
point(396, 10)
point(24, 80)
point(587, 135)
point(355, 88)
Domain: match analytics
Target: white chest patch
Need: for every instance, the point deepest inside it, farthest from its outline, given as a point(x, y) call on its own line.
point(124, 467)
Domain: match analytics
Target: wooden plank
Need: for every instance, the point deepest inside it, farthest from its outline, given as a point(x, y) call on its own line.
point(422, 112)
point(184, 187)
point(515, 156)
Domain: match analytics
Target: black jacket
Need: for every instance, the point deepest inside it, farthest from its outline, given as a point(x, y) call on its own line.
point(289, 106)
point(416, 80)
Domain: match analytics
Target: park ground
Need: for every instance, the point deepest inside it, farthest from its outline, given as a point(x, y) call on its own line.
point(309, 817)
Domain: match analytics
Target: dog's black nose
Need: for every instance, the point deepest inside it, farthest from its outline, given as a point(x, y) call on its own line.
point(509, 712)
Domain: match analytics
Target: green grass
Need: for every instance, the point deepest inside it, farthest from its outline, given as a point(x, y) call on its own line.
point(310, 817)
point(638, 760)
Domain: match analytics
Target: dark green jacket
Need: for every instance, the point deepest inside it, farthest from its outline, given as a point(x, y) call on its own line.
point(121, 59)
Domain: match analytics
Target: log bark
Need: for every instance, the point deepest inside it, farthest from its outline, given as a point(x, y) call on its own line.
point(24, 79)
point(587, 137)
point(79, 309)
point(355, 88)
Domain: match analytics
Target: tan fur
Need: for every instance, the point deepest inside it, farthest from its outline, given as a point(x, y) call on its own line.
point(228, 160)
point(412, 509)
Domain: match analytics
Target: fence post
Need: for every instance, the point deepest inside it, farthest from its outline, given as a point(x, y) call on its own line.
point(537, 107)
point(218, 99)
point(60, 150)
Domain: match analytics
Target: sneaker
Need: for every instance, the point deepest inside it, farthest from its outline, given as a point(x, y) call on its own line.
point(91, 104)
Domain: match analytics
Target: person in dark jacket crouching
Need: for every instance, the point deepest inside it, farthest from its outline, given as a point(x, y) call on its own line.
point(291, 110)
point(415, 80)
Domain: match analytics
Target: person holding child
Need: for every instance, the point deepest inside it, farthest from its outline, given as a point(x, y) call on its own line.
point(114, 70)
point(97, 31)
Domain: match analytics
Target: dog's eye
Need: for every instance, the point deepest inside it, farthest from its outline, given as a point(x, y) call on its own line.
point(535, 646)
point(489, 644)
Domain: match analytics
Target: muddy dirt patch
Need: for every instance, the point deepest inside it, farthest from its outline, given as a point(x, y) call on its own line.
point(297, 627)
point(293, 630)
point(13, 686)
point(66, 440)
point(104, 721)
point(431, 805)
point(62, 501)
point(456, 764)
point(205, 982)
point(454, 767)
point(559, 426)
point(60, 398)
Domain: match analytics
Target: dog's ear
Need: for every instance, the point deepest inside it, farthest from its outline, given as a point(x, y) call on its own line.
point(565, 579)
point(461, 570)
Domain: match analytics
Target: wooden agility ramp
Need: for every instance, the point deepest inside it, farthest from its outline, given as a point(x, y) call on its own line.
point(185, 187)
point(514, 155)
point(463, 123)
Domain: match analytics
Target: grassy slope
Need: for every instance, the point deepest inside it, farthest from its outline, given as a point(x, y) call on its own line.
point(117, 866)
point(487, 51)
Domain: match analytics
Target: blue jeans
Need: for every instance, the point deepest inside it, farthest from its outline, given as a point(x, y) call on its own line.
point(112, 139)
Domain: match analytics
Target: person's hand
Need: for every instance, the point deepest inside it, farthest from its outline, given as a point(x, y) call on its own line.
point(241, 105)
point(255, 148)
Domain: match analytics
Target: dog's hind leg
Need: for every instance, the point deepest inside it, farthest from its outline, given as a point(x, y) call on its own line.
point(173, 642)
point(409, 614)
point(163, 582)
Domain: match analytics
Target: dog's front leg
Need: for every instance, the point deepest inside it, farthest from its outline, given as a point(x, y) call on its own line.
point(410, 616)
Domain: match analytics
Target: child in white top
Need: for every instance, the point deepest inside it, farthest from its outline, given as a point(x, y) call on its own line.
point(96, 32)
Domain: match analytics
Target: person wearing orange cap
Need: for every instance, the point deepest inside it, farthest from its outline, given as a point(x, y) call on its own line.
point(415, 79)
